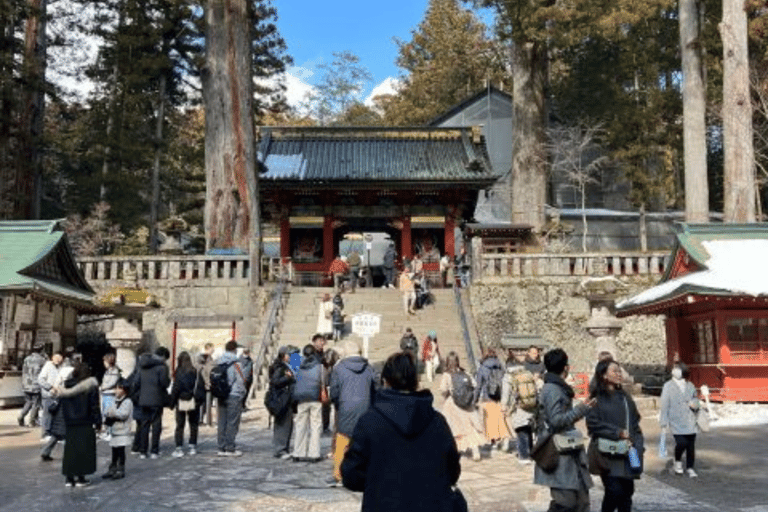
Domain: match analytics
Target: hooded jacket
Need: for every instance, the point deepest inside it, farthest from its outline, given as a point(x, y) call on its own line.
point(352, 386)
point(153, 381)
point(402, 456)
point(484, 375)
point(309, 380)
point(236, 375)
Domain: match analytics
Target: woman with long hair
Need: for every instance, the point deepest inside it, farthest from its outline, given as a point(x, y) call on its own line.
point(615, 418)
point(79, 401)
point(187, 395)
point(464, 422)
point(679, 405)
point(281, 383)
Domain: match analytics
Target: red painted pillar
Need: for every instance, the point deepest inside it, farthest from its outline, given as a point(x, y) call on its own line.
point(405, 238)
point(328, 249)
point(450, 242)
point(285, 237)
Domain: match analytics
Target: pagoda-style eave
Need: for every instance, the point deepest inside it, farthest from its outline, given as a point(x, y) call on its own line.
point(692, 303)
point(339, 185)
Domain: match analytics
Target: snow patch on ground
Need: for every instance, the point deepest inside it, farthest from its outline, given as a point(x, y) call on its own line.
point(738, 415)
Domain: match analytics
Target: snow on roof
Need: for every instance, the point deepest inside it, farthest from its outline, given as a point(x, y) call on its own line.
point(735, 266)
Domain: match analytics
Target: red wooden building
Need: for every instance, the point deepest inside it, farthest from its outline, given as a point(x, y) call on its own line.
point(415, 184)
point(715, 298)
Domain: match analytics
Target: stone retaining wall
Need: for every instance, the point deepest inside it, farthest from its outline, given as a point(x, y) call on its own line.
point(554, 309)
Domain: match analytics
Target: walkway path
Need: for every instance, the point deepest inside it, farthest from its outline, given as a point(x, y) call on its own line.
point(731, 467)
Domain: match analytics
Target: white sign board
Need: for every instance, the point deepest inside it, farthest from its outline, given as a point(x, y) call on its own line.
point(366, 324)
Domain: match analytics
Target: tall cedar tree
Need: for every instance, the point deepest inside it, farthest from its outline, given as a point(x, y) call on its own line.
point(448, 58)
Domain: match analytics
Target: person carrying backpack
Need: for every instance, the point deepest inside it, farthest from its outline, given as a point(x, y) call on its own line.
point(490, 380)
point(230, 392)
point(519, 399)
point(457, 387)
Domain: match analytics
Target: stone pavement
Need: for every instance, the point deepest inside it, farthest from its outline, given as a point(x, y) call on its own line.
point(731, 465)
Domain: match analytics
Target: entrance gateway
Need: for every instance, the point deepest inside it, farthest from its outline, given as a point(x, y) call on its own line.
point(414, 184)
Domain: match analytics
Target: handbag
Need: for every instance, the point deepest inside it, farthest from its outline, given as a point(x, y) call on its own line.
point(702, 420)
point(597, 462)
point(611, 447)
point(568, 442)
point(545, 453)
point(458, 501)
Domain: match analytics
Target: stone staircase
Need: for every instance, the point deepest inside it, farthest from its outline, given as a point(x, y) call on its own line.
point(300, 320)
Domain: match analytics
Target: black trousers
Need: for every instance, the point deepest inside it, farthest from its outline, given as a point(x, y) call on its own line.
point(118, 456)
point(618, 493)
point(152, 417)
point(182, 417)
point(686, 443)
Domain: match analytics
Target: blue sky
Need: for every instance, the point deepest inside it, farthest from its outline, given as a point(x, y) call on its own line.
point(313, 30)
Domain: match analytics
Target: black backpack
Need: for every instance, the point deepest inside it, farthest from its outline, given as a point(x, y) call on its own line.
point(462, 390)
point(495, 382)
point(219, 381)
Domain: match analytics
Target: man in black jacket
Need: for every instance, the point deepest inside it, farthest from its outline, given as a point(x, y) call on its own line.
point(403, 456)
point(152, 383)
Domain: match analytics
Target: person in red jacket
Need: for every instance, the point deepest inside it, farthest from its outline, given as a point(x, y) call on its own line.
point(338, 270)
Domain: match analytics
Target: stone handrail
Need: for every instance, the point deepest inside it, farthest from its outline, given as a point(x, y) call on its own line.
point(570, 264)
point(232, 270)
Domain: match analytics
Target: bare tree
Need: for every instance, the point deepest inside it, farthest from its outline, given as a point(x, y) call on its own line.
point(576, 154)
point(739, 175)
point(691, 13)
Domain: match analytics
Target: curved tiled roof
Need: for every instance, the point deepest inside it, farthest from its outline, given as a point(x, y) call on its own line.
point(374, 154)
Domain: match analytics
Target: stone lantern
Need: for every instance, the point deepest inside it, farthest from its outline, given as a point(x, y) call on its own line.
point(603, 326)
point(125, 336)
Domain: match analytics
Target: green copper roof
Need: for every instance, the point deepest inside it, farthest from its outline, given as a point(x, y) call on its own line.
point(35, 257)
point(691, 236)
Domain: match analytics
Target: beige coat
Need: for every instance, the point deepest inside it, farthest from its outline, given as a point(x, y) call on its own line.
point(466, 426)
point(325, 317)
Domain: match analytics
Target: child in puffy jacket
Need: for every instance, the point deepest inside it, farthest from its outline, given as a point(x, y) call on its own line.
point(118, 415)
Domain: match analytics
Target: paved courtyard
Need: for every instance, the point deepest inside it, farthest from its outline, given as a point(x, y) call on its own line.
point(731, 465)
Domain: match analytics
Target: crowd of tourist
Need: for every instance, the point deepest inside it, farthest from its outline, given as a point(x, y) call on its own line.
point(377, 421)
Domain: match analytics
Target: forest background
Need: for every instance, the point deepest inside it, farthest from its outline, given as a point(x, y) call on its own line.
point(128, 159)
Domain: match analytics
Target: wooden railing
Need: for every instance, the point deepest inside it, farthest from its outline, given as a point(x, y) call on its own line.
point(572, 264)
point(232, 270)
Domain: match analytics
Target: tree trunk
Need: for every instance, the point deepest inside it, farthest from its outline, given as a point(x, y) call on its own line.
point(229, 132)
point(33, 110)
point(529, 162)
point(694, 113)
point(155, 199)
point(739, 193)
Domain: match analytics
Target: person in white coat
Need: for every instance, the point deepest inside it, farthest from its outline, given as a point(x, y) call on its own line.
point(679, 405)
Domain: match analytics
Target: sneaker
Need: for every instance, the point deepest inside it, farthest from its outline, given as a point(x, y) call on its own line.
point(192, 450)
point(178, 452)
point(69, 483)
point(691, 473)
point(235, 453)
point(525, 462)
point(678, 467)
point(142, 455)
point(332, 482)
point(154, 456)
point(46, 458)
point(286, 456)
point(82, 483)
point(222, 453)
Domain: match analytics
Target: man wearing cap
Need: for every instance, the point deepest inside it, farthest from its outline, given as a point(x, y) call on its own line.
point(31, 368)
point(352, 386)
point(231, 408)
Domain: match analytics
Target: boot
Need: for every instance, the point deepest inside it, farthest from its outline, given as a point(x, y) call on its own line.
point(110, 472)
point(119, 472)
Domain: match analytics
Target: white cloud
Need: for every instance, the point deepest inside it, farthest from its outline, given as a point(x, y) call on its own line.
point(388, 86)
point(296, 85)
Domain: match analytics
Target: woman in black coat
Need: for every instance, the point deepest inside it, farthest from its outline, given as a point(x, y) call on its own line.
point(281, 382)
point(615, 417)
point(79, 402)
point(402, 455)
point(187, 395)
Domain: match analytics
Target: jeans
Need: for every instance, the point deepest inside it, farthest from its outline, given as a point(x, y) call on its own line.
point(686, 443)
point(229, 414)
point(50, 445)
point(47, 418)
point(31, 403)
point(524, 442)
point(618, 493)
point(389, 276)
point(354, 273)
point(182, 417)
point(152, 417)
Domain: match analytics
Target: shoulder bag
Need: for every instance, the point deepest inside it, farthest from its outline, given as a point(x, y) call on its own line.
point(616, 448)
point(189, 405)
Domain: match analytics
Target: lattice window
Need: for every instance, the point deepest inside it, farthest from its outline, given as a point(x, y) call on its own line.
point(747, 337)
point(705, 342)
